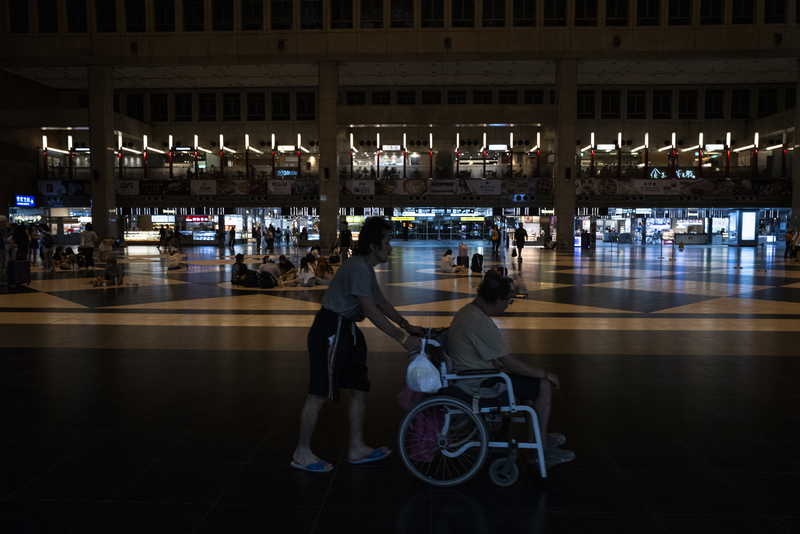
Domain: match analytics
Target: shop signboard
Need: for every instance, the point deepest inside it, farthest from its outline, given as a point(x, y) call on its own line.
point(178, 187)
point(359, 187)
point(200, 218)
point(280, 187)
point(127, 187)
point(484, 187)
point(25, 201)
point(151, 187)
point(52, 187)
point(442, 186)
point(203, 187)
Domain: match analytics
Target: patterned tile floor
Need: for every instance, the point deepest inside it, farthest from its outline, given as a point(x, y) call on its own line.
point(171, 404)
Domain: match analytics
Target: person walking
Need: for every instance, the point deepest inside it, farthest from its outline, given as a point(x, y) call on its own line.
point(231, 238)
point(6, 244)
point(257, 236)
point(520, 236)
point(345, 241)
point(88, 242)
point(338, 351)
point(495, 239)
point(790, 234)
point(270, 238)
point(33, 248)
point(47, 247)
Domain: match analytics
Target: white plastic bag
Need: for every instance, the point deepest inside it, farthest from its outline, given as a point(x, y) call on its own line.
point(522, 288)
point(422, 375)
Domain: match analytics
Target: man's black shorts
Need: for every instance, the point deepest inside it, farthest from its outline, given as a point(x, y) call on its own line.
point(337, 355)
point(525, 387)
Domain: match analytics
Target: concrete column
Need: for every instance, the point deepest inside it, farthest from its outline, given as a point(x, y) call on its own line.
point(101, 141)
point(795, 218)
point(328, 153)
point(565, 171)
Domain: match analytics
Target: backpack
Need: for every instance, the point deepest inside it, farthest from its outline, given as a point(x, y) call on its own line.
point(48, 241)
point(238, 273)
point(267, 281)
point(251, 278)
point(477, 263)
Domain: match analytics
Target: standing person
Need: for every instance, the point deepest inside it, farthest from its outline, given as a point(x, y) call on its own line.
point(47, 247)
point(345, 241)
point(33, 248)
point(520, 236)
point(257, 236)
point(475, 342)
point(337, 349)
point(789, 243)
point(88, 242)
point(796, 245)
point(5, 245)
point(495, 239)
point(162, 239)
point(232, 238)
point(270, 238)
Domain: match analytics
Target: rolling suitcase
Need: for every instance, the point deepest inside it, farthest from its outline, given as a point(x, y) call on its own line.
point(19, 272)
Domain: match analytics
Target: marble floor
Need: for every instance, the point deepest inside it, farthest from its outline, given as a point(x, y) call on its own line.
point(171, 404)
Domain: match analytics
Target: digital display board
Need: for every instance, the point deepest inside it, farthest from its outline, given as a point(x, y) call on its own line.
point(25, 201)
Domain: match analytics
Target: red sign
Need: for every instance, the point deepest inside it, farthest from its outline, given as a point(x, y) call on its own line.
point(199, 218)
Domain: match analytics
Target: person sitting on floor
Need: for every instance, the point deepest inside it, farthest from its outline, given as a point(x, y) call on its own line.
point(449, 266)
point(174, 260)
point(113, 276)
point(58, 255)
point(269, 268)
point(239, 270)
point(305, 276)
point(324, 272)
point(71, 260)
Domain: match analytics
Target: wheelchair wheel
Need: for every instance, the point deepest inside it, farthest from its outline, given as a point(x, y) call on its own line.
point(442, 442)
point(503, 472)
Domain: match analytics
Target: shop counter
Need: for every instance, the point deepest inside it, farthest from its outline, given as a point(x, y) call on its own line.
point(692, 239)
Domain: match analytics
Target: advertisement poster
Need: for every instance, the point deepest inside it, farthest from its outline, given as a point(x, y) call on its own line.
point(484, 187)
point(126, 187)
point(52, 187)
point(686, 187)
point(442, 187)
point(280, 187)
point(358, 187)
point(203, 187)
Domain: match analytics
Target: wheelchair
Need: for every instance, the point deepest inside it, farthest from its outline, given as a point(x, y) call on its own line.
point(445, 439)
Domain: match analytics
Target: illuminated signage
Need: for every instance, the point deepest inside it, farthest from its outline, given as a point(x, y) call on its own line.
point(498, 147)
point(199, 218)
point(473, 219)
point(286, 173)
point(26, 201)
point(606, 147)
point(162, 218)
point(679, 173)
point(285, 148)
point(715, 148)
point(392, 147)
point(748, 226)
point(355, 218)
point(403, 218)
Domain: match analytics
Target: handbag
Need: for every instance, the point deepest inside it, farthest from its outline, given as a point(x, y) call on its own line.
point(513, 253)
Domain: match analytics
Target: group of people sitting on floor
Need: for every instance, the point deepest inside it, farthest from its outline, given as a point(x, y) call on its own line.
point(314, 270)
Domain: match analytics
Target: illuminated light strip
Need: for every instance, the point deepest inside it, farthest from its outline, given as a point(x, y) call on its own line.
point(254, 150)
point(226, 149)
point(638, 148)
point(149, 148)
point(304, 149)
point(773, 147)
point(668, 147)
point(203, 150)
point(690, 148)
point(584, 149)
point(126, 149)
point(744, 148)
point(51, 149)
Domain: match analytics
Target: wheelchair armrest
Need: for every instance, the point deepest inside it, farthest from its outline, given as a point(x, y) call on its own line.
point(470, 372)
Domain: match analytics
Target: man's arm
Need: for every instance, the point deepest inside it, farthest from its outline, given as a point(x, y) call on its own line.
point(388, 310)
point(378, 318)
point(519, 367)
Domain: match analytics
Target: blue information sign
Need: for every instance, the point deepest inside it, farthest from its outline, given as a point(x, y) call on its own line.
point(26, 201)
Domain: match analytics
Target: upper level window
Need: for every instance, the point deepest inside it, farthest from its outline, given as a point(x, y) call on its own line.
point(355, 98)
point(609, 104)
point(193, 15)
point(586, 104)
point(207, 108)
point(494, 13)
point(648, 12)
point(482, 97)
point(637, 104)
point(306, 106)
point(456, 97)
point(524, 13)
point(679, 13)
point(616, 12)
point(687, 104)
point(47, 11)
point(533, 96)
point(183, 106)
point(282, 15)
point(790, 98)
point(432, 14)
point(402, 13)
point(507, 97)
point(431, 98)
point(585, 12)
point(281, 103)
point(774, 11)
point(164, 15)
point(310, 14)
point(740, 104)
point(19, 17)
point(159, 107)
point(341, 14)
point(371, 14)
point(767, 102)
point(256, 107)
point(743, 11)
point(463, 13)
point(106, 15)
point(555, 13)
point(231, 106)
point(662, 104)
point(253, 16)
point(406, 98)
point(135, 16)
point(714, 104)
point(76, 16)
point(711, 11)
point(222, 15)
point(134, 106)
point(381, 98)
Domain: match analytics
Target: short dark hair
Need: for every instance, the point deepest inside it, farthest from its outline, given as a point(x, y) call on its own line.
point(449, 252)
point(495, 286)
point(372, 234)
point(265, 259)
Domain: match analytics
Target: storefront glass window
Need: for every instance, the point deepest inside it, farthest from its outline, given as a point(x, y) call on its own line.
point(463, 14)
point(524, 13)
point(252, 15)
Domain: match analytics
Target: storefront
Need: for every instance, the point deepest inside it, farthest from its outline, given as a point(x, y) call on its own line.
point(442, 224)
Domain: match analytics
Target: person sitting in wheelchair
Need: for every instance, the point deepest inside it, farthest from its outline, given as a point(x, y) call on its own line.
point(475, 342)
